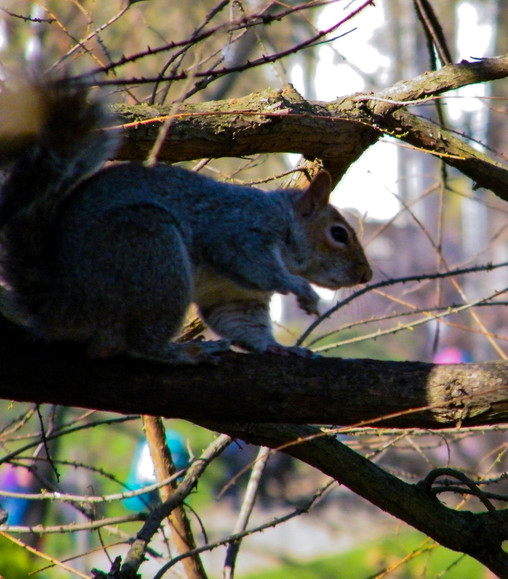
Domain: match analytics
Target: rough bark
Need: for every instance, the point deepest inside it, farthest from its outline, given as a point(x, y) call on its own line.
point(259, 388)
point(336, 133)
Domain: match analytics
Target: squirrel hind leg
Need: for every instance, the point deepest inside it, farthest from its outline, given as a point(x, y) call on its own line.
point(245, 322)
point(155, 346)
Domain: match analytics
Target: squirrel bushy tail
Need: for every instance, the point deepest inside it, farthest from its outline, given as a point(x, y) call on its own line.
point(51, 133)
point(50, 141)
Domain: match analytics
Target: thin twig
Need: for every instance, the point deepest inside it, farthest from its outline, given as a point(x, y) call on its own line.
point(64, 432)
point(390, 282)
point(45, 442)
point(411, 325)
point(56, 496)
point(43, 555)
point(473, 487)
point(72, 527)
point(232, 538)
point(246, 510)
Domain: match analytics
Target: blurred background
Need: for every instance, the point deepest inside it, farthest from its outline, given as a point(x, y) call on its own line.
point(415, 216)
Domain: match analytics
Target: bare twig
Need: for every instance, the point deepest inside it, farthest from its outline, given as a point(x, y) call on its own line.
point(52, 560)
point(394, 281)
point(472, 487)
point(72, 527)
point(239, 536)
point(433, 30)
point(480, 535)
point(64, 432)
point(245, 511)
point(57, 496)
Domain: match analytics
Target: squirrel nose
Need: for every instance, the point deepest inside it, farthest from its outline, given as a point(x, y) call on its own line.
point(366, 275)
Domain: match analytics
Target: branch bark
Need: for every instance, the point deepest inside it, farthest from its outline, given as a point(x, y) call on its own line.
point(336, 133)
point(164, 468)
point(258, 388)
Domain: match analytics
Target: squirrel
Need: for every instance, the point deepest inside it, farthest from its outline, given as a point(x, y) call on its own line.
point(113, 256)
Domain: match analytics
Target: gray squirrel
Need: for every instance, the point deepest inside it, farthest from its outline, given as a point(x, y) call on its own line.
point(114, 256)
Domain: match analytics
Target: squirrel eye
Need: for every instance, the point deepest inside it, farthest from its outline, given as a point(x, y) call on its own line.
point(339, 234)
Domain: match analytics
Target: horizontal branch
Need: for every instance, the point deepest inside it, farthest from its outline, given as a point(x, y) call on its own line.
point(62, 497)
point(455, 151)
point(272, 121)
point(258, 391)
point(258, 388)
point(73, 527)
point(337, 133)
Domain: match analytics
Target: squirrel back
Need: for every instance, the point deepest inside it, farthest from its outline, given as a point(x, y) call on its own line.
point(113, 257)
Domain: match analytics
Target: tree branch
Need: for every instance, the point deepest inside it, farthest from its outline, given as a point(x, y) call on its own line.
point(135, 556)
point(480, 535)
point(337, 133)
point(258, 388)
point(164, 467)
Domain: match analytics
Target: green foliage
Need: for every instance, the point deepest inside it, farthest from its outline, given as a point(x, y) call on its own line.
point(404, 556)
point(14, 560)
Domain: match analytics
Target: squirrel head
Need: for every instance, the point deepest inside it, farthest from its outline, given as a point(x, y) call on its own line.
point(327, 251)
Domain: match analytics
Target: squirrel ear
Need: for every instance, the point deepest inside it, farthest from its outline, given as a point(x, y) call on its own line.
point(316, 195)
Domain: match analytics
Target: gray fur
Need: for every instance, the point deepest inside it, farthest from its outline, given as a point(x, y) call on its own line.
point(122, 253)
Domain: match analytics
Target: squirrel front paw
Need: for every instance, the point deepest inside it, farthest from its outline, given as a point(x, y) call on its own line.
point(308, 301)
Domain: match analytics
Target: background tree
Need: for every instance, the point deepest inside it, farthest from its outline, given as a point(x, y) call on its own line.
point(439, 292)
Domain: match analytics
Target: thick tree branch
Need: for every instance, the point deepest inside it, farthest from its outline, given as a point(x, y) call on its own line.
point(258, 388)
point(255, 390)
point(272, 121)
point(480, 535)
point(455, 151)
point(337, 133)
